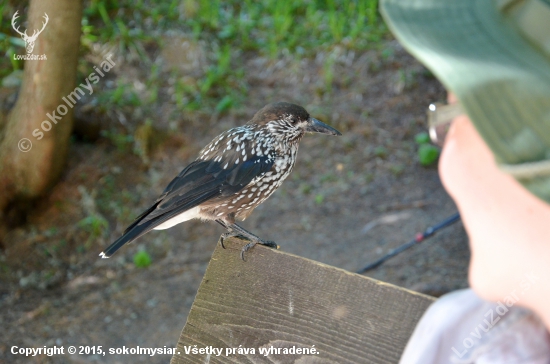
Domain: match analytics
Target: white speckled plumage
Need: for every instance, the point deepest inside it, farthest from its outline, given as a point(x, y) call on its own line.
point(232, 175)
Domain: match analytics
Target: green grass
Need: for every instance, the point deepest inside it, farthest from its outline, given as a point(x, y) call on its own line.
point(301, 27)
point(427, 153)
point(96, 226)
point(10, 42)
point(122, 96)
point(231, 29)
point(142, 259)
point(381, 151)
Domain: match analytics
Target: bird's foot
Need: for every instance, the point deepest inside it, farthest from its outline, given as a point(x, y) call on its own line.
point(268, 243)
point(231, 235)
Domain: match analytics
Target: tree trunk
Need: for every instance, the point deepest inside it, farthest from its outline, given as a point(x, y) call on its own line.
point(28, 174)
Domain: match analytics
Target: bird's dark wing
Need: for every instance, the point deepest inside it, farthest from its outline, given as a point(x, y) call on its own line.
point(224, 167)
point(204, 180)
point(223, 174)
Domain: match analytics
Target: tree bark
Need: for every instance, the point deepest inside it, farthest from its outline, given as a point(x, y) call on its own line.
point(25, 176)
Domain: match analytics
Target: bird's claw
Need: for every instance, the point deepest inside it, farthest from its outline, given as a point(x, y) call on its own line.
point(268, 243)
point(231, 235)
point(246, 248)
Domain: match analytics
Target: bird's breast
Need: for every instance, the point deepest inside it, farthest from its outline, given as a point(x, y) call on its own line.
point(242, 203)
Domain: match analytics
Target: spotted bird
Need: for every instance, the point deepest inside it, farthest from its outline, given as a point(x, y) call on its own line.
point(232, 175)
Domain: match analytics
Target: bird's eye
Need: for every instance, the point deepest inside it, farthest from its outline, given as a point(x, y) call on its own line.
point(294, 120)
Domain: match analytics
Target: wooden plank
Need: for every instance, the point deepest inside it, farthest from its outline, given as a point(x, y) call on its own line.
point(278, 300)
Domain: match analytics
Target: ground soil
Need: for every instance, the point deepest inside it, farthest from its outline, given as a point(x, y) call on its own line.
point(349, 200)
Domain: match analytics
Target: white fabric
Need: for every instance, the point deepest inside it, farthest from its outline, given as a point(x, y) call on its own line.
point(461, 328)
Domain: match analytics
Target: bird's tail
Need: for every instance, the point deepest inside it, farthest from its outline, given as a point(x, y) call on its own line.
point(144, 222)
point(129, 235)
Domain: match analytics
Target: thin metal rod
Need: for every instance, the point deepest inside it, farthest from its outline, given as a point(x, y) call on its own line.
point(419, 238)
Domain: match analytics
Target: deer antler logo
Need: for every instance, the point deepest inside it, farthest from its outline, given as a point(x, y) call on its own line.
point(29, 41)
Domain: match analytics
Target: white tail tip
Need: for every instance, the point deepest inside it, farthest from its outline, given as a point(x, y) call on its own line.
point(102, 255)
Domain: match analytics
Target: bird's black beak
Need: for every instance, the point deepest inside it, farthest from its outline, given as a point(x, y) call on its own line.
point(315, 126)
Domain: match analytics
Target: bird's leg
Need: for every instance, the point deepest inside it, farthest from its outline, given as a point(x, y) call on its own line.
point(228, 234)
point(253, 239)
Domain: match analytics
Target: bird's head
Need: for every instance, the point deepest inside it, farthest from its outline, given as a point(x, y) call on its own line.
point(289, 122)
